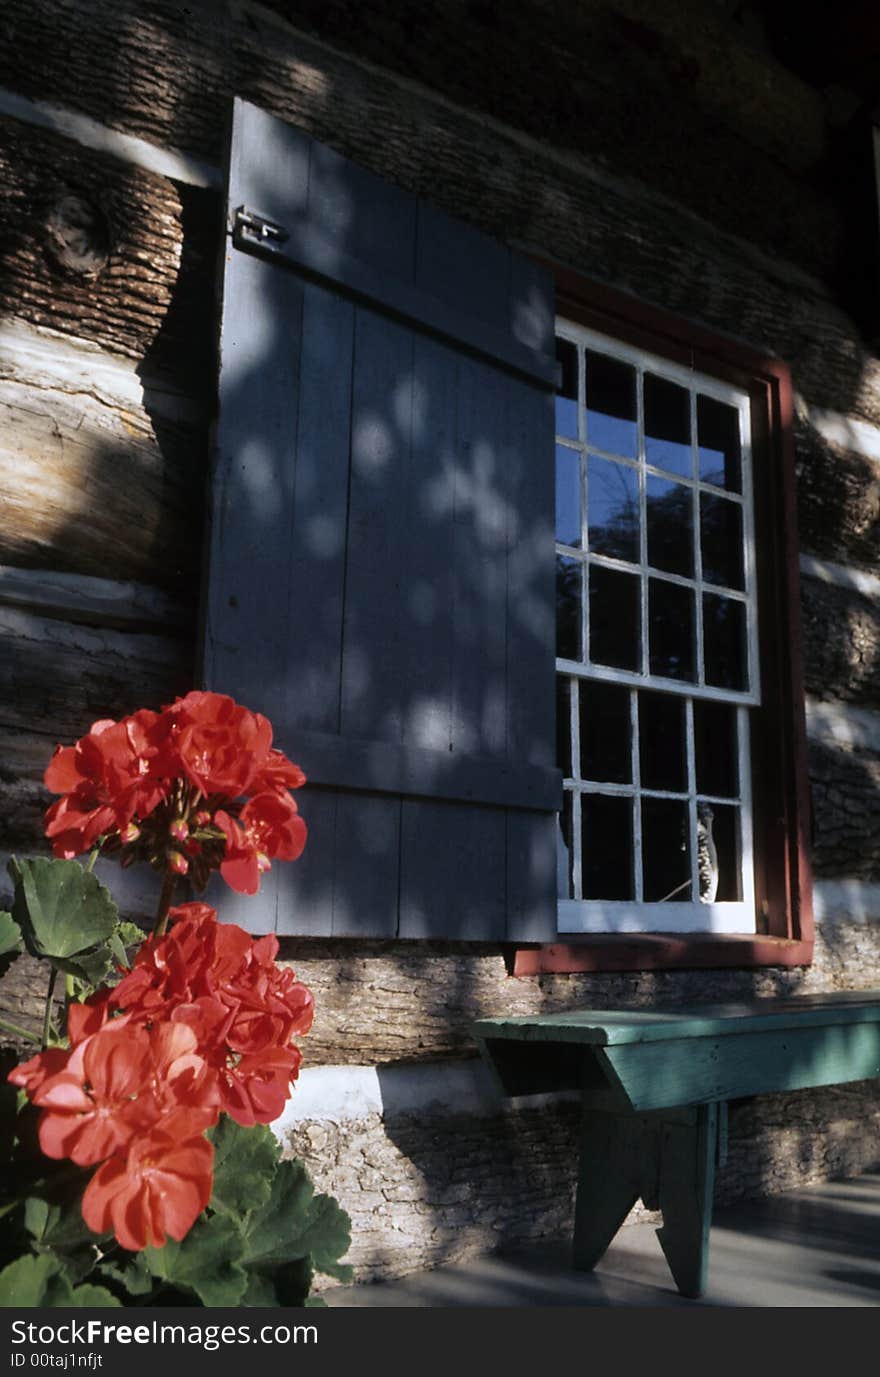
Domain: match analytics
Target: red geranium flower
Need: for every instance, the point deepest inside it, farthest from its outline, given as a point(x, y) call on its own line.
point(158, 1188)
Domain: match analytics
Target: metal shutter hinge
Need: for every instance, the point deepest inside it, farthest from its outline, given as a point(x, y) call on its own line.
point(249, 228)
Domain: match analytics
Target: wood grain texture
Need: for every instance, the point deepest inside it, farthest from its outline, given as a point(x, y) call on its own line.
point(96, 479)
point(838, 500)
point(566, 206)
point(841, 631)
point(123, 66)
point(845, 786)
point(154, 299)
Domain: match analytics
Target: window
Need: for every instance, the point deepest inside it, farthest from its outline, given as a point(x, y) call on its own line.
point(679, 673)
point(657, 662)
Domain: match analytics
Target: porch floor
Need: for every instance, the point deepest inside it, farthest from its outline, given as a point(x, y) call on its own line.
point(819, 1246)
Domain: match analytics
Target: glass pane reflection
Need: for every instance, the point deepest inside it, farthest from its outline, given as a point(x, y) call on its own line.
point(568, 496)
point(606, 831)
point(568, 608)
point(671, 633)
point(666, 865)
point(612, 508)
point(614, 618)
point(715, 748)
point(724, 642)
point(611, 405)
point(605, 732)
point(718, 444)
point(567, 392)
point(662, 746)
point(668, 426)
point(670, 515)
point(721, 541)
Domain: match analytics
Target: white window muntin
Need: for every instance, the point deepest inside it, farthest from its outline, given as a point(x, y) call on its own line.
point(579, 915)
point(697, 384)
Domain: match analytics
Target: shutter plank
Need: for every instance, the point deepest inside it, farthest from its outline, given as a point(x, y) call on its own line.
point(531, 877)
point(305, 887)
point(479, 703)
point(313, 664)
point(452, 872)
point(373, 641)
point(367, 867)
point(245, 652)
point(427, 538)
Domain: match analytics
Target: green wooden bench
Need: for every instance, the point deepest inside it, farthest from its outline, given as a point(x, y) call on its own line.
point(654, 1088)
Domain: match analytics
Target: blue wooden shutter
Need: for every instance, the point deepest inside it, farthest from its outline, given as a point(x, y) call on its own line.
point(380, 578)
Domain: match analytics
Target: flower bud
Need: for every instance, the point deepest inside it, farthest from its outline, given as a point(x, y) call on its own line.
point(129, 834)
point(203, 817)
point(178, 863)
point(263, 863)
point(179, 830)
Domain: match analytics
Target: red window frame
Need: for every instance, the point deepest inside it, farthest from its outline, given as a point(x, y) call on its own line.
point(783, 877)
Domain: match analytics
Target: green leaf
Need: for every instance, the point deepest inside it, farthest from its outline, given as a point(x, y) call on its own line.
point(42, 1281)
point(89, 968)
point(245, 1161)
point(260, 1293)
point(125, 935)
point(135, 1275)
point(206, 1262)
point(10, 941)
point(295, 1224)
point(58, 1224)
point(62, 909)
point(88, 1295)
point(32, 1281)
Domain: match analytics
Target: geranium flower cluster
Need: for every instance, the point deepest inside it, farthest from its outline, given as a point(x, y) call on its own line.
point(194, 788)
point(204, 1022)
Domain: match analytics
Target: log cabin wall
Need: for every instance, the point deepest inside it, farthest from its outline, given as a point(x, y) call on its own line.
point(655, 147)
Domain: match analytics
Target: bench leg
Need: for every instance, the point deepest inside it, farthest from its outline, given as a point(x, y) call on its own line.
point(685, 1183)
point(608, 1185)
point(667, 1159)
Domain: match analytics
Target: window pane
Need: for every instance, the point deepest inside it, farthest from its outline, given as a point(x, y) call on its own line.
point(715, 747)
point(666, 866)
point(606, 733)
point(614, 618)
point(718, 441)
point(568, 496)
point(565, 850)
point(611, 405)
point(671, 629)
point(563, 724)
point(721, 541)
point(606, 829)
point(568, 607)
point(662, 745)
point(724, 642)
point(668, 426)
point(613, 509)
point(670, 514)
point(567, 392)
point(719, 852)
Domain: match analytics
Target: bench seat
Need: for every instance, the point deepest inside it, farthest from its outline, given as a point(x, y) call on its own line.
point(654, 1085)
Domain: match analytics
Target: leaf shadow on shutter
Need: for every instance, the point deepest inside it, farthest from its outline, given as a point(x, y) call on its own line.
point(380, 568)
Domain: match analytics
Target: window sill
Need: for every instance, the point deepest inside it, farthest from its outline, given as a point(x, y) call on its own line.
point(659, 951)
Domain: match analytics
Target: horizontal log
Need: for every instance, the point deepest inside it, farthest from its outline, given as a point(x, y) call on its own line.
point(56, 678)
point(169, 75)
point(108, 253)
point(838, 498)
point(94, 601)
point(93, 483)
point(841, 629)
point(845, 788)
point(768, 128)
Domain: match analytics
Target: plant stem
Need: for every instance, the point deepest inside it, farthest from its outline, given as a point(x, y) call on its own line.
point(165, 898)
point(16, 1028)
point(92, 858)
point(47, 1016)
